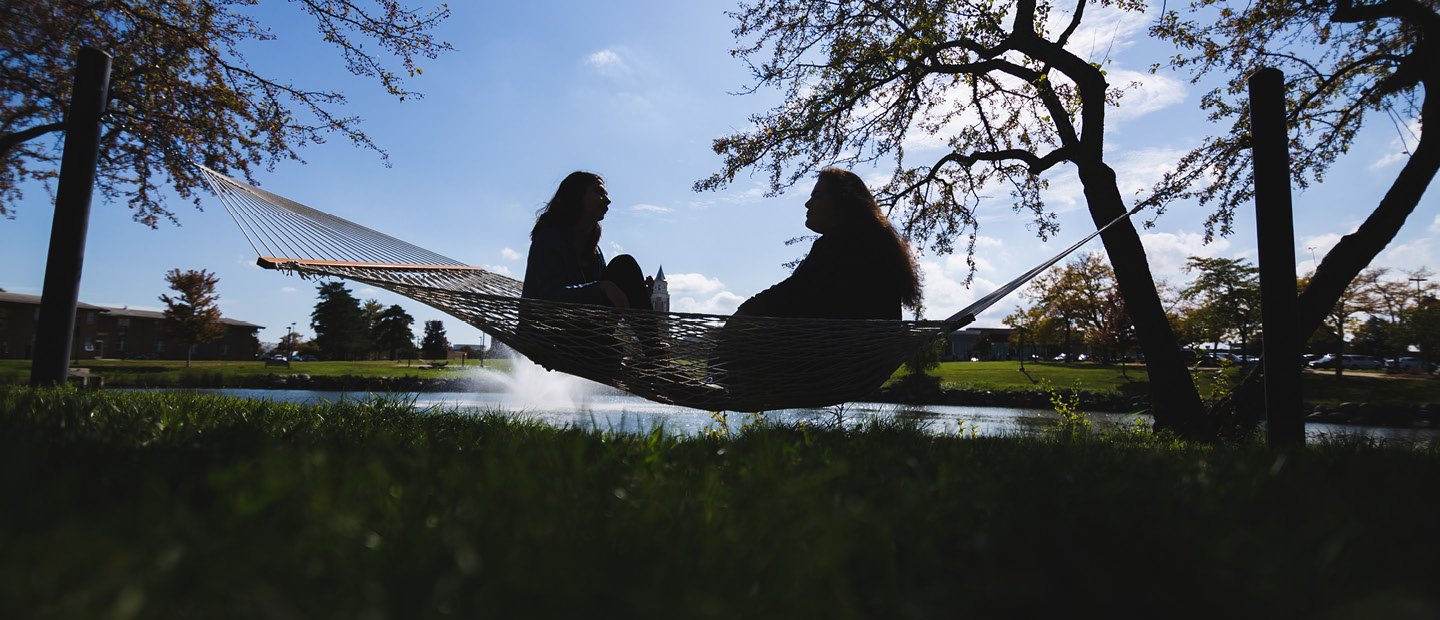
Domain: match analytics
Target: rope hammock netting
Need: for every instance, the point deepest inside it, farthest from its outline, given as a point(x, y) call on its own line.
point(704, 361)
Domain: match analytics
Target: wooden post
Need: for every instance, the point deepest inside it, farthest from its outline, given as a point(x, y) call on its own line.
point(1275, 231)
point(54, 334)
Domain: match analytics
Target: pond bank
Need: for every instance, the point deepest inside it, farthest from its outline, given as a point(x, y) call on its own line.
point(1404, 415)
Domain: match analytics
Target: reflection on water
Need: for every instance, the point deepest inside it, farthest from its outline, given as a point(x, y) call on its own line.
point(531, 392)
point(563, 400)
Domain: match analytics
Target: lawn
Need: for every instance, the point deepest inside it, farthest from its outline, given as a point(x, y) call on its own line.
point(203, 372)
point(172, 505)
point(1131, 380)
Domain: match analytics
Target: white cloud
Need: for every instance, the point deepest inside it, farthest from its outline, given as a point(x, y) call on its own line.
point(693, 284)
point(646, 208)
point(288, 289)
point(1413, 255)
point(695, 292)
point(616, 249)
point(509, 254)
point(1401, 146)
point(607, 63)
point(1168, 252)
point(945, 291)
point(503, 270)
point(1435, 225)
point(1103, 32)
point(1143, 93)
point(1137, 170)
point(723, 303)
point(369, 291)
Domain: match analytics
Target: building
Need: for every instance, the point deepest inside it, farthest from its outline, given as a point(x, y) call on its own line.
point(979, 343)
point(660, 293)
point(123, 333)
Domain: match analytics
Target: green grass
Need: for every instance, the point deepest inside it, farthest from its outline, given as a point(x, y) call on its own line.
point(172, 373)
point(1131, 381)
point(171, 505)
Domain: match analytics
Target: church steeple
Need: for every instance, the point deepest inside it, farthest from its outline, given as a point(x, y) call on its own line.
point(660, 294)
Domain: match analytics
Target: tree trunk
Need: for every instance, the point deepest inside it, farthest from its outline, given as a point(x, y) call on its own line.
point(1175, 403)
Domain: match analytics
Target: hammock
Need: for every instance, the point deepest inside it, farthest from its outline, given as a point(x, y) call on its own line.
point(704, 361)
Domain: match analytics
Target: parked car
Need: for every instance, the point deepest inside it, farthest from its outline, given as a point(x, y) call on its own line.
point(1349, 362)
point(1405, 364)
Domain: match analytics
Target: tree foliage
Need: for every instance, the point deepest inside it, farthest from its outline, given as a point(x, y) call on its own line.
point(435, 345)
point(193, 315)
point(995, 83)
point(1076, 306)
point(391, 333)
point(1344, 62)
point(1225, 298)
point(341, 332)
point(182, 90)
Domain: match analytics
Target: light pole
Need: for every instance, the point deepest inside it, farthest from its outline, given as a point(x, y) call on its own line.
point(1417, 280)
point(1313, 264)
point(289, 340)
point(1022, 348)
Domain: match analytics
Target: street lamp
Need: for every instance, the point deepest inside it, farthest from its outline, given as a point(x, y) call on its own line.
point(1417, 280)
point(289, 340)
point(1313, 264)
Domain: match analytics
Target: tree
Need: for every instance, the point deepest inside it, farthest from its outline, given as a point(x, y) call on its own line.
point(1373, 337)
point(1226, 294)
point(1011, 101)
point(192, 317)
point(1342, 315)
point(392, 335)
point(1423, 325)
point(290, 344)
point(1115, 333)
point(372, 309)
point(1343, 60)
point(1076, 297)
point(182, 91)
point(339, 323)
point(435, 346)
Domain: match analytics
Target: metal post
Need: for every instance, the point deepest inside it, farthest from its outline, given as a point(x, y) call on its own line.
point(56, 329)
point(1275, 232)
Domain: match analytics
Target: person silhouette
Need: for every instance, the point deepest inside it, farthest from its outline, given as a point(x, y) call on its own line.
point(859, 268)
point(565, 262)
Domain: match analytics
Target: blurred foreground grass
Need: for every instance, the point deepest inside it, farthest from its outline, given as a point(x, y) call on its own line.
point(172, 505)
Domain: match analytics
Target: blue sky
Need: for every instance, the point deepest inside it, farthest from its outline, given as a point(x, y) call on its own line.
point(636, 91)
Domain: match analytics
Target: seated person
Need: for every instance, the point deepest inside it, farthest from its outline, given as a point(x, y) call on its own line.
point(565, 264)
point(859, 268)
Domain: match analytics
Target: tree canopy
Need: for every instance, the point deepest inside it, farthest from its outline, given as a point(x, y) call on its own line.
point(435, 345)
point(341, 332)
point(182, 90)
point(391, 333)
point(193, 316)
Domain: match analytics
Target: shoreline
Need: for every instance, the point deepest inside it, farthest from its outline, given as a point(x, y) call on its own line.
point(1406, 415)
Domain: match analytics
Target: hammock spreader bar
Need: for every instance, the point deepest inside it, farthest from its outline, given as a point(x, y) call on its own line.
point(704, 361)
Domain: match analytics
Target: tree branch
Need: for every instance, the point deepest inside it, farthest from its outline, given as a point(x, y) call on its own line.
point(12, 140)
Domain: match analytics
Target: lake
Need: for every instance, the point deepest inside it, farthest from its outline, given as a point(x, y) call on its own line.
point(564, 400)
